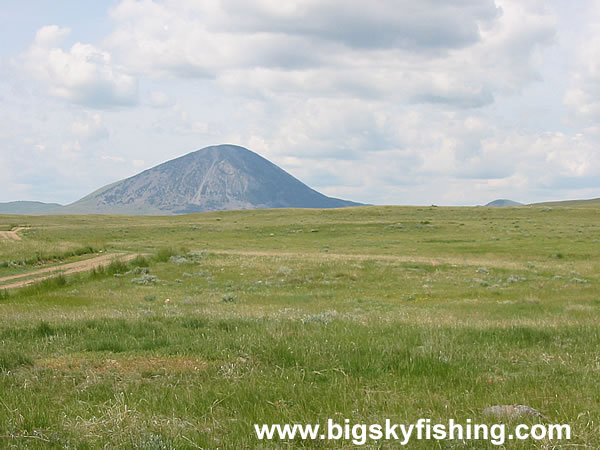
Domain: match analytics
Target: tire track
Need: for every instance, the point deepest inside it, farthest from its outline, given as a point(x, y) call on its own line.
point(65, 269)
point(12, 235)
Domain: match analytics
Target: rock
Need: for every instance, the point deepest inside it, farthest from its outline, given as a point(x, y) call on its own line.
point(511, 411)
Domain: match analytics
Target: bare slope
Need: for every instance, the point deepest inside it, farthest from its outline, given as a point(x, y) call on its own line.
point(214, 178)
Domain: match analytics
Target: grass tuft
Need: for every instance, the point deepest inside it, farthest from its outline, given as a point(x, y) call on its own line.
point(44, 329)
point(163, 254)
point(117, 267)
point(11, 359)
point(44, 286)
point(139, 261)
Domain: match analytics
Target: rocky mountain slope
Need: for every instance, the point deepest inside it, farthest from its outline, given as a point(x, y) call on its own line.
point(214, 178)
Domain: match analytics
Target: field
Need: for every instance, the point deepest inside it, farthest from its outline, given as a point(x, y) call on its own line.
point(228, 319)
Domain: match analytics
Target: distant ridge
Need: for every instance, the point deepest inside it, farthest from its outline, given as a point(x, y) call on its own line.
point(25, 207)
point(214, 178)
point(590, 202)
point(503, 203)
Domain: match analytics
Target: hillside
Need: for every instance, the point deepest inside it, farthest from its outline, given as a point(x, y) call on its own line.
point(24, 207)
point(503, 203)
point(215, 178)
point(590, 202)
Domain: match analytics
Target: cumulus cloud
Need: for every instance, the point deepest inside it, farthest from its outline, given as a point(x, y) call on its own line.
point(384, 24)
point(159, 99)
point(84, 74)
point(89, 127)
point(455, 54)
point(583, 95)
point(396, 101)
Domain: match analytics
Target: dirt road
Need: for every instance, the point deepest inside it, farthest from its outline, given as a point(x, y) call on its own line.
point(12, 234)
point(65, 269)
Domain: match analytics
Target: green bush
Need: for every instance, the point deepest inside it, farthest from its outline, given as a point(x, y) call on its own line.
point(163, 254)
point(116, 267)
point(140, 261)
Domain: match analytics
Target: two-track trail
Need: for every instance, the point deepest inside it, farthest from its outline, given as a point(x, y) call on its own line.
point(12, 235)
point(64, 269)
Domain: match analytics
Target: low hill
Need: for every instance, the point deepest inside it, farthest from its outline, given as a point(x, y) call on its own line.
point(503, 203)
point(214, 178)
point(590, 202)
point(24, 207)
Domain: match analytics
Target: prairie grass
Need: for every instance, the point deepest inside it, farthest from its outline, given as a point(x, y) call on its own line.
point(384, 312)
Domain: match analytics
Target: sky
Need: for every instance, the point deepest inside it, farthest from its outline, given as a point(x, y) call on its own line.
point(383, 102)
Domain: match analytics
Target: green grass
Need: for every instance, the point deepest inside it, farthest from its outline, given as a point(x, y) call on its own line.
point(293, 316)
point(10, 360)
point(593, 202)
point(21, 257)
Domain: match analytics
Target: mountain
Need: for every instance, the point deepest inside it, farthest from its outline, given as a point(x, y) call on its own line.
point(503, 203)
point(590, 202)
point(23, 207)
point(214, 178)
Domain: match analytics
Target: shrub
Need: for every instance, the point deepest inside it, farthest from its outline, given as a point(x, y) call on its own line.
point(163, 254)
point(284, 270)
point(228, 298)
point(145, 280)
point(178, 260)
point(116, 267)
point(139, 261)
point(97, 272)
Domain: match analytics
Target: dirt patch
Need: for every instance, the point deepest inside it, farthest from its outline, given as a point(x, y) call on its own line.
point(164, 364)
point(64, 269)
point(12, 235)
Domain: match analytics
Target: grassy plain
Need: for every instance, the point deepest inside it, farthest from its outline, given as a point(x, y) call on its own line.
point(294, 316)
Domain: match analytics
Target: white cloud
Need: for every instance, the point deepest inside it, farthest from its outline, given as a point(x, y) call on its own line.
point(89, 127)
point(177, 120)
point(159, 99)
point(457, 55)
point(116, 159)
point(583, 95)
point(84, 74)
point(394, 102)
